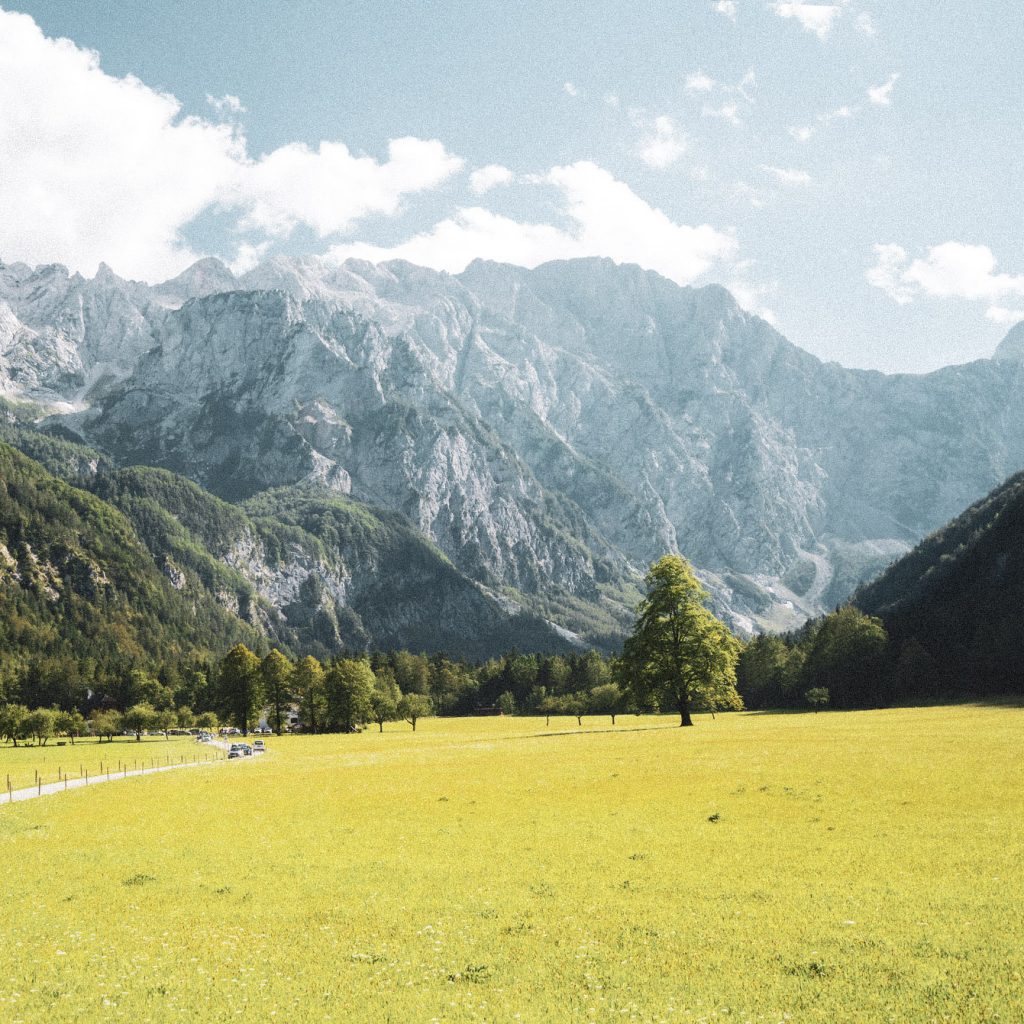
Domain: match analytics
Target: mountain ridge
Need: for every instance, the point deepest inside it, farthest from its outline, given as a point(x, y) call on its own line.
point(552, 430)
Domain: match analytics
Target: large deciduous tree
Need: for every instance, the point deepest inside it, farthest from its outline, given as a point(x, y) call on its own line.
point(240, 686)
point(679, 653)
point(308, 686)
point(349, 683)
point(276, 671)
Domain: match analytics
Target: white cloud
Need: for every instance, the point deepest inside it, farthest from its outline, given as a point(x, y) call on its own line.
point(726, 7)
point(801, 134)
point(787, 176)
point(605, 218)
point(96, 167)
point(248, 256)
point(329, 189)
point(485, 178)
point(1004, 316)
point(612, 100)
point(570, 88)
point(727, 112)
point(665, 146)
point(745, 86)
point(887, 273)
point(226, 104)
point(699, 82)
point(865, 24)
point(839, 114)
point(881, 95)
point(952, 270)
point(816, 18)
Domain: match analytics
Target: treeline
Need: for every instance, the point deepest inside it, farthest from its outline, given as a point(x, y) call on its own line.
point(337, 694)
point(843, 660)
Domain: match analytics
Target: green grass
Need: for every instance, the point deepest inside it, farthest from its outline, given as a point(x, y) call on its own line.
point(22, 763)
point(829, 868)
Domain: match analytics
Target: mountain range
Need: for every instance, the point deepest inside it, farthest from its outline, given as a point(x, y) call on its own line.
point(543, 433)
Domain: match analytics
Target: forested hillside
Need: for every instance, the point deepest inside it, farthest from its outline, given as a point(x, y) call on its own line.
point(952, 607)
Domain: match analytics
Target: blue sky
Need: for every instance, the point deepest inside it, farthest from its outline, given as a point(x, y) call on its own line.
point(849, 170)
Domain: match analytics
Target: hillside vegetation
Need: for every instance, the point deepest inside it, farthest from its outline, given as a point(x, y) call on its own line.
point(952, 606)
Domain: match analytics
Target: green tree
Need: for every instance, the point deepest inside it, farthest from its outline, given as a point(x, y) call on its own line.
point(385, 699)
point(575, 704)
point(105, 724)
point(240, 686)
point(184, 719)
point(606, 699)
point(165, 721)
point(349, 683)
point(414, 706)
point(41, 724)
point(277, 672)
point(507, 703)
point(139, 718)
point(12, 722)
point(308, 684)
point(679, 652)
point(207, 720)
point(848, 657)
point(817, 697)
point(71, 724)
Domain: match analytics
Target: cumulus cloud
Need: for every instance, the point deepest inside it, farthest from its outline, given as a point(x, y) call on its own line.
point(815, 18)
point(483, 179)
point(1005, 317)
point(664, 146)
point(787, 175)
point(226, 104)
point(570, 89)
point(97, 167)
point(699, 82)
point(801, 134)
point(726, 7)
point(604, 217)
point(881, 95)
point(329, 189)
point(952, 270)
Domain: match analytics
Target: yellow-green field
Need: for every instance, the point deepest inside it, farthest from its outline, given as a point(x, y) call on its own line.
point(833, 867)
point(21, 763)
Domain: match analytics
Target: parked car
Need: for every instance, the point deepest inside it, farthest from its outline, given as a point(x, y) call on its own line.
point(259, 746)
point(233, 753)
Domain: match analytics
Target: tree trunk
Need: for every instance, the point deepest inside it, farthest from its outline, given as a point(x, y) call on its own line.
point(381, 724)
point(684, 716)
point(579, 721)
point(613, 719)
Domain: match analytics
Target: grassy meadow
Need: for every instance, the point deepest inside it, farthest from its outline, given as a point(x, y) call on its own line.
point(836, 867)
point(21, 763)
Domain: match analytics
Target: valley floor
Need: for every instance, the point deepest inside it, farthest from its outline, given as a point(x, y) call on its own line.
point(835, 867)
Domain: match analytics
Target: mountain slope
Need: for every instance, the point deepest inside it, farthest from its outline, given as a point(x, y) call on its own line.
point(310, 572)
point(953, 605)
point(552, 430)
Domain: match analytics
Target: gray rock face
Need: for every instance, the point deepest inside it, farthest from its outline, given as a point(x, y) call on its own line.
point(552, 431)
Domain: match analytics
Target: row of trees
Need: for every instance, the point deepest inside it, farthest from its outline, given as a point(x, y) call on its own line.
point(19, 723)
point(842, 659)
point(680, 658)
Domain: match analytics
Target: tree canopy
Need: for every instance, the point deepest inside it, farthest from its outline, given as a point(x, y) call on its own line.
point(680, 655)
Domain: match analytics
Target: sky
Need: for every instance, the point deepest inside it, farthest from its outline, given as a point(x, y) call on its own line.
point(850, 171)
